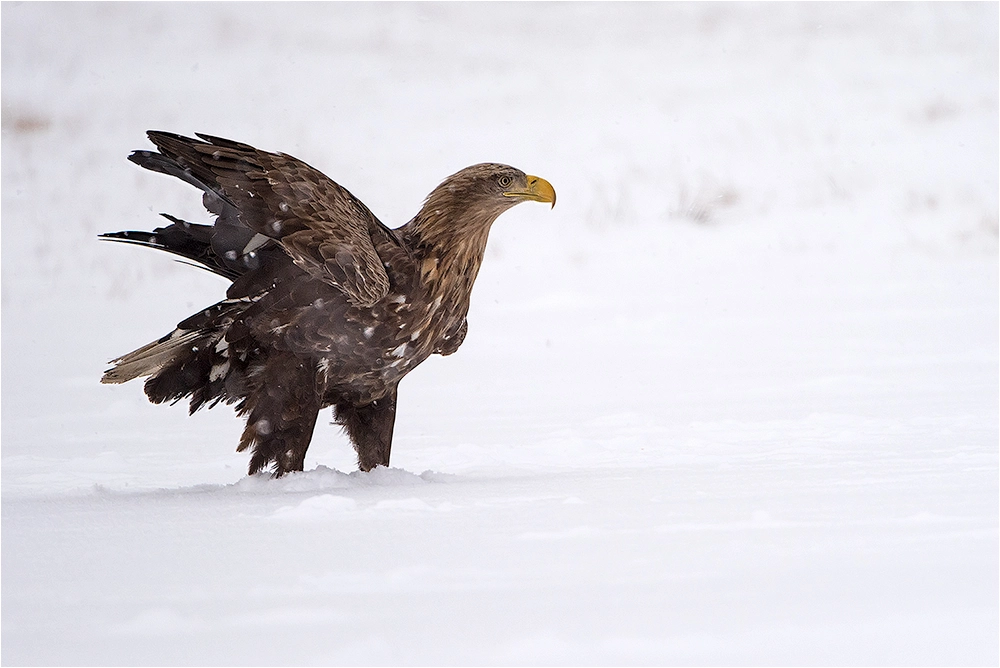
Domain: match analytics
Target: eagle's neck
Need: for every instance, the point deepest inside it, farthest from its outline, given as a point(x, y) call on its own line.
point(449, 240)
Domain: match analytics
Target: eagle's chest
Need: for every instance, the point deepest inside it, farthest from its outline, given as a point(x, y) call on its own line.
point(365, 351)
point(421, 314)
point(415, 329)
point(373, 348)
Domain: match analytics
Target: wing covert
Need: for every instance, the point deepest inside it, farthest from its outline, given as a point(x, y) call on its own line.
point(325, 230)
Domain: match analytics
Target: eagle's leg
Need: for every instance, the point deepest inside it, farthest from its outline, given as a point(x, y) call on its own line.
point(369, 428)
point(286, 446)
point(282, 414)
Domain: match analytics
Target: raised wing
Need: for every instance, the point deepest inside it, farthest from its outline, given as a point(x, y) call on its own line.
point(264, 198)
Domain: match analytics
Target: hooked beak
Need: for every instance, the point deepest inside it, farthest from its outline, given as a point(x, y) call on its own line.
point(538, 190)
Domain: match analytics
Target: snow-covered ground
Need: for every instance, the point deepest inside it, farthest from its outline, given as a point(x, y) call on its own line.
point(734, 400)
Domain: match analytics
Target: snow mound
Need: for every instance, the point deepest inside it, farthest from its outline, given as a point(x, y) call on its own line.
point(325, 478)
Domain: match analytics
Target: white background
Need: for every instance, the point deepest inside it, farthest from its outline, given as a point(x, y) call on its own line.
point(734, 400)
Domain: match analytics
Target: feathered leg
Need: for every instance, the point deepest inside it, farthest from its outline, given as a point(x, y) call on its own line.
point(282, 414)
point(370, 429)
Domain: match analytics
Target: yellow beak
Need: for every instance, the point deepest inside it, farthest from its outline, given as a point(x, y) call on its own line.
point(538, 190)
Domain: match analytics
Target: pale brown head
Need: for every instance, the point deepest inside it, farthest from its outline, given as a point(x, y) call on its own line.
point(476, 195)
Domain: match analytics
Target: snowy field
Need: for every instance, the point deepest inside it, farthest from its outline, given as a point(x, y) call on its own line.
point(733, 401)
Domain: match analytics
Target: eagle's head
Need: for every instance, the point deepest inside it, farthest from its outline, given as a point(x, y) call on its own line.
point(482, 192)
point(502, 186)
point(460, 211)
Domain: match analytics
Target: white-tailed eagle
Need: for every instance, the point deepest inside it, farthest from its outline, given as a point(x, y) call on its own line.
point(327, 307)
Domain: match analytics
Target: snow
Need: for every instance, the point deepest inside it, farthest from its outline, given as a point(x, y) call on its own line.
point(733, 401)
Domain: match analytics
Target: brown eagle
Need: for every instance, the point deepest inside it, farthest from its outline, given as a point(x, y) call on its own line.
point(327, 307)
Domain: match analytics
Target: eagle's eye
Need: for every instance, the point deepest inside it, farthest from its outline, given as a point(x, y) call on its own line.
point(505, 181)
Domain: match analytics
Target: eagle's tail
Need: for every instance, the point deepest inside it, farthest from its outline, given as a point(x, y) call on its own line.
point(209, 359)
point(192, 361)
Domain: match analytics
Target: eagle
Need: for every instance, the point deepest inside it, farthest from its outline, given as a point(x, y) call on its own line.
point(326, 307)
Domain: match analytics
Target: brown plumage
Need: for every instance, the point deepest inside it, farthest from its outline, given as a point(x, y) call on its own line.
point(327, 307)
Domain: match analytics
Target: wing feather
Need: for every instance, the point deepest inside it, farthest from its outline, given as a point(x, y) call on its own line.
point(323, 228)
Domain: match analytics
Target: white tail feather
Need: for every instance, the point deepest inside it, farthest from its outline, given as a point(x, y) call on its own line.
point(150, 358)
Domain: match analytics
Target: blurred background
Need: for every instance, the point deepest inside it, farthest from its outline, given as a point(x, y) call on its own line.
point(774, 255)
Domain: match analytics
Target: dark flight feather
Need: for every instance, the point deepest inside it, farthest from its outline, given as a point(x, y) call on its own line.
point(327, 306)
